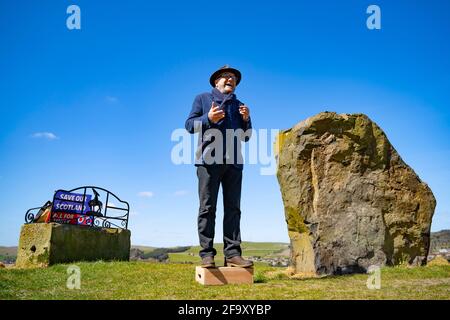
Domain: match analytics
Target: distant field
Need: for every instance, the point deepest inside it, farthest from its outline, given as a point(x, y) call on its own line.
point(143, 280)
point(190, 254)
point(255, 249)
point(11, 251)
point(145, 249)
point(8, 254)
point(249, 249)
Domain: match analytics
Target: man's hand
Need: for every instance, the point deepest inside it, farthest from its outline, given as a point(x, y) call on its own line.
point(245, 112)
point(215, 114)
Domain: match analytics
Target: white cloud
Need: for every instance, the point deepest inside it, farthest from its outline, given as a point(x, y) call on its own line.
point(44, 135)
point(145, 194)
point(181, 193)
point(134, 213)
point(111, 99)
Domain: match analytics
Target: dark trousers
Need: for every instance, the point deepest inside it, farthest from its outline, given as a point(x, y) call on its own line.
point(209, 179)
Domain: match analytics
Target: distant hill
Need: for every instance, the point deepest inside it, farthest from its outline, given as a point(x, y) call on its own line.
point(276, 254)
point(12, 251)
point(189, 254)
point(440, 240)
point(8, 254)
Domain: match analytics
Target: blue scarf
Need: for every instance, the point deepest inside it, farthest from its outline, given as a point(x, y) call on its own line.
point(220, 98)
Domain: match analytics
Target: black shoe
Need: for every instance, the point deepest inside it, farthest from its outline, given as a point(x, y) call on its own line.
point(208, 262)
point(238, 261)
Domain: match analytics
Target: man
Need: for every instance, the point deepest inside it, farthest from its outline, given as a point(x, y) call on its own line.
point(215, 115)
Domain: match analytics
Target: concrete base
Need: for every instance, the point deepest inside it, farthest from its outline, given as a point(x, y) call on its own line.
point(223, 275)
point(44, 244)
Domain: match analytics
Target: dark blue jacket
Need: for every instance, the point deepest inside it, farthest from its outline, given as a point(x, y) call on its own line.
point(198, 120)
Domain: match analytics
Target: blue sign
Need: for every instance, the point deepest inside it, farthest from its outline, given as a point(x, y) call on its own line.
point(70, 202)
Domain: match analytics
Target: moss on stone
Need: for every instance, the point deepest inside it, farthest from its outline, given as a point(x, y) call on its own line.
point(382, 145)
point(295, 221)
point(280, 140)
point(43, 258)
point(302, 254)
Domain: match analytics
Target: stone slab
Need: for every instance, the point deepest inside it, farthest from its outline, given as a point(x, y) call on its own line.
point(45, 244)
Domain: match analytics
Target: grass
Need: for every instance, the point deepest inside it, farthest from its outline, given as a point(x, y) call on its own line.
point(140, 280)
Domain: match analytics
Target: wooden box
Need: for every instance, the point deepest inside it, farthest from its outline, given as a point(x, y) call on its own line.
point(223, 275)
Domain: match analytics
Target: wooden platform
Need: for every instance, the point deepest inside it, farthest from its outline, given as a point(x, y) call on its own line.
point(223, 275)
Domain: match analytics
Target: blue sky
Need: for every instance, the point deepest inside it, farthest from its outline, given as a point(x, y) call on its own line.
point(113, 92)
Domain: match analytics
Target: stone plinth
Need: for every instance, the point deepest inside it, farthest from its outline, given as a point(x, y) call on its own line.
point(44, 244)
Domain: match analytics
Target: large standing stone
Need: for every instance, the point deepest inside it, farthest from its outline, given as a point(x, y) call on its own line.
point(350, 201)
point(44, 244)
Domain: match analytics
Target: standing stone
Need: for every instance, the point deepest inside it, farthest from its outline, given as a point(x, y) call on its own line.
point(350, 201)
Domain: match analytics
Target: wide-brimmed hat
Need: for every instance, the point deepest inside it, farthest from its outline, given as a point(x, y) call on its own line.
point(225, 68)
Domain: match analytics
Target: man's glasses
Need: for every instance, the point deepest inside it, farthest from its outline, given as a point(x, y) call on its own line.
point(228, 75)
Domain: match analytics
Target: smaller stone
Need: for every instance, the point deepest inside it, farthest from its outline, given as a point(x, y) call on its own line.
point(45, 244)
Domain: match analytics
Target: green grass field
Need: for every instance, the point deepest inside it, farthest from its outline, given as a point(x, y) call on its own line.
point(143, 280)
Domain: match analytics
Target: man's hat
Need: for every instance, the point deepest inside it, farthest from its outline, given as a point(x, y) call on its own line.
point(225, 68)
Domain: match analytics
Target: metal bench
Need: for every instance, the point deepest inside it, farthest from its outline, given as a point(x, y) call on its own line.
point(79, 207)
